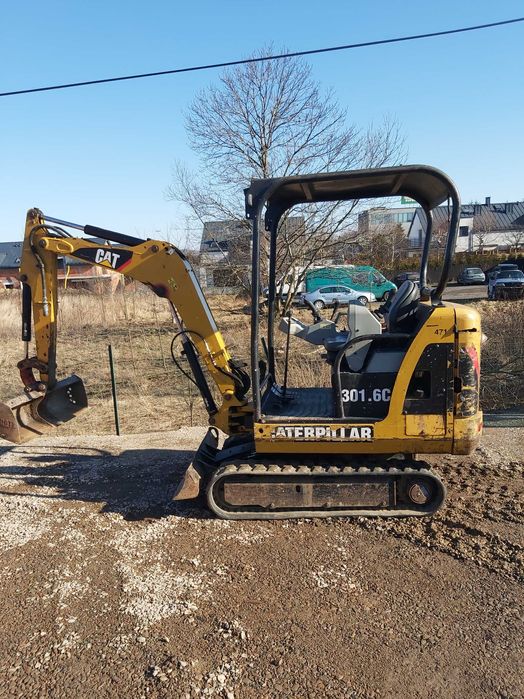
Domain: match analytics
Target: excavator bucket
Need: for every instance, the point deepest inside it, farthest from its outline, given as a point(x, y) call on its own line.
point(33, 414)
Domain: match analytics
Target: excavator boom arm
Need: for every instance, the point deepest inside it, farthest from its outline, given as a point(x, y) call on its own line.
point(157, 264)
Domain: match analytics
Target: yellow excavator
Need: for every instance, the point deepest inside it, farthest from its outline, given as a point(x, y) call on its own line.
point(399, 389)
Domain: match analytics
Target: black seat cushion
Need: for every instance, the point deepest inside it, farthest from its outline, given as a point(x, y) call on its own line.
point(402, 312)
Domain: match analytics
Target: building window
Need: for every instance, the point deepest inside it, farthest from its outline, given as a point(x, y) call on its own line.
point(463, 231)
point(216, 245)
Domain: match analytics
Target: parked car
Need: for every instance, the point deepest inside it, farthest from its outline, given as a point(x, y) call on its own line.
point(403, 276)
point(507, 284)
point(363, 278)
point(471, 275)
point(329, 295)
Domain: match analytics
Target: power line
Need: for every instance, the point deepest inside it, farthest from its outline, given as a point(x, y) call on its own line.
point(293, 54)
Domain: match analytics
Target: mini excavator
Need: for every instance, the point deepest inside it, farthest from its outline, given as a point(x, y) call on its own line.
point(399, 389)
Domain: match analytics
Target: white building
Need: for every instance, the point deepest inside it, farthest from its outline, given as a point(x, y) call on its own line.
point(482, 227)
point(381, 218)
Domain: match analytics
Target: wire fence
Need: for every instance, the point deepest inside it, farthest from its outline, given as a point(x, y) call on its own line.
point(502, 371)
point(154, 395)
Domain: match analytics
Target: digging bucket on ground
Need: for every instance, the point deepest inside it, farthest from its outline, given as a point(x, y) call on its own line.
point(33, 413)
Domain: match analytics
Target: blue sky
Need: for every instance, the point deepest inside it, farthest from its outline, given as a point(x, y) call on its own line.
point(103, 154)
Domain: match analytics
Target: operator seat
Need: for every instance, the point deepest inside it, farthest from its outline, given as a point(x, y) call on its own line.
point(401, 315)
point(377, 362)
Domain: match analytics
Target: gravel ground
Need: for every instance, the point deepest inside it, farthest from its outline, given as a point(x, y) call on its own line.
point(109, 589)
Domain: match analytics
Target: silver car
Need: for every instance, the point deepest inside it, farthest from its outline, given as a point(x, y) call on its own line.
point(471, 275)
point(329, 295)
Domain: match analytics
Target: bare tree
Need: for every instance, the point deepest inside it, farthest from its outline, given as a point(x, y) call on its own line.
point(439, 238)
point(515, 239)
point(384, 244)
point(484, 225)
point(271, 119)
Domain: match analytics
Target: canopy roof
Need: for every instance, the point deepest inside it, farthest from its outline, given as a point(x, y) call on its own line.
point(427, 185)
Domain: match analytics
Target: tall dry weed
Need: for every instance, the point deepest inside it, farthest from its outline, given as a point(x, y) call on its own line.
point(502, 358)
point(10, 306)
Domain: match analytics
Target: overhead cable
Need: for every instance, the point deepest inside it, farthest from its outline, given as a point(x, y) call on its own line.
point(291, 54)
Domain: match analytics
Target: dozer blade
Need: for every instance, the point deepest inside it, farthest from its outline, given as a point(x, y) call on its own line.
point(33, 414)
point(195, 476)
point(189, 486)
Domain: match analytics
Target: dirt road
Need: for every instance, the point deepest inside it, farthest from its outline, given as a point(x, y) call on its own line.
point(455, 292)
point(111, 590)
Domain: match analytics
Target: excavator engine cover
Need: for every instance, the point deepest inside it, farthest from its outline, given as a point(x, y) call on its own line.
point(34, 413)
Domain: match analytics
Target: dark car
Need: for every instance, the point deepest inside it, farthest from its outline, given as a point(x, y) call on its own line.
point(471, 275)
point(507, 284)
point(492, 272)
point(403, 276)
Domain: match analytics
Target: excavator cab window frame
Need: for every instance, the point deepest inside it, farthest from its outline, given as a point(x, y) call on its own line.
point(268, 200)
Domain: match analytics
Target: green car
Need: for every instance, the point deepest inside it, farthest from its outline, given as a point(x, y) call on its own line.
point(361, 278)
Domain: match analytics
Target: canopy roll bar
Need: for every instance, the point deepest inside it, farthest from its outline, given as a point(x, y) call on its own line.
point(428, 186)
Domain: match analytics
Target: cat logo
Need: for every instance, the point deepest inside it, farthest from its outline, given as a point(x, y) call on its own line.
point(107, 258)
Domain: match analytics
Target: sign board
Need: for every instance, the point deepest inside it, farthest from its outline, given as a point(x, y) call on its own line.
point(407, 200)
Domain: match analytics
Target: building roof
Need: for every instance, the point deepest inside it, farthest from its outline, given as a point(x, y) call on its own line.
point(10, 254)
point(502, 217)
point(224, 230)
point(216, 233)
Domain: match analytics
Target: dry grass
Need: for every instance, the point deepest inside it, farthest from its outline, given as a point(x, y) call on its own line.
point(9, 315)
point(154, 395)
point(152, 392)
point(502, 384)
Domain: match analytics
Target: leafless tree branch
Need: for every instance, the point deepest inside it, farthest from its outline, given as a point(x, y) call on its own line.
point(272, 119)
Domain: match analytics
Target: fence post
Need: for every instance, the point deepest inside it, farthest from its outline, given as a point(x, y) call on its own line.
point(113, 389)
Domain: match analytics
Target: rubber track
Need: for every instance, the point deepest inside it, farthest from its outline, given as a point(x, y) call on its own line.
point(274, 468)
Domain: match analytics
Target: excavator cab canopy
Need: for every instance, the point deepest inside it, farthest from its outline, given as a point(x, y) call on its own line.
point(428, 186)
point(267, 200)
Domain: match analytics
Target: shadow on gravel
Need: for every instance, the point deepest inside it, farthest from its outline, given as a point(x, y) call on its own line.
point(137, 484)
point(24, 449)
